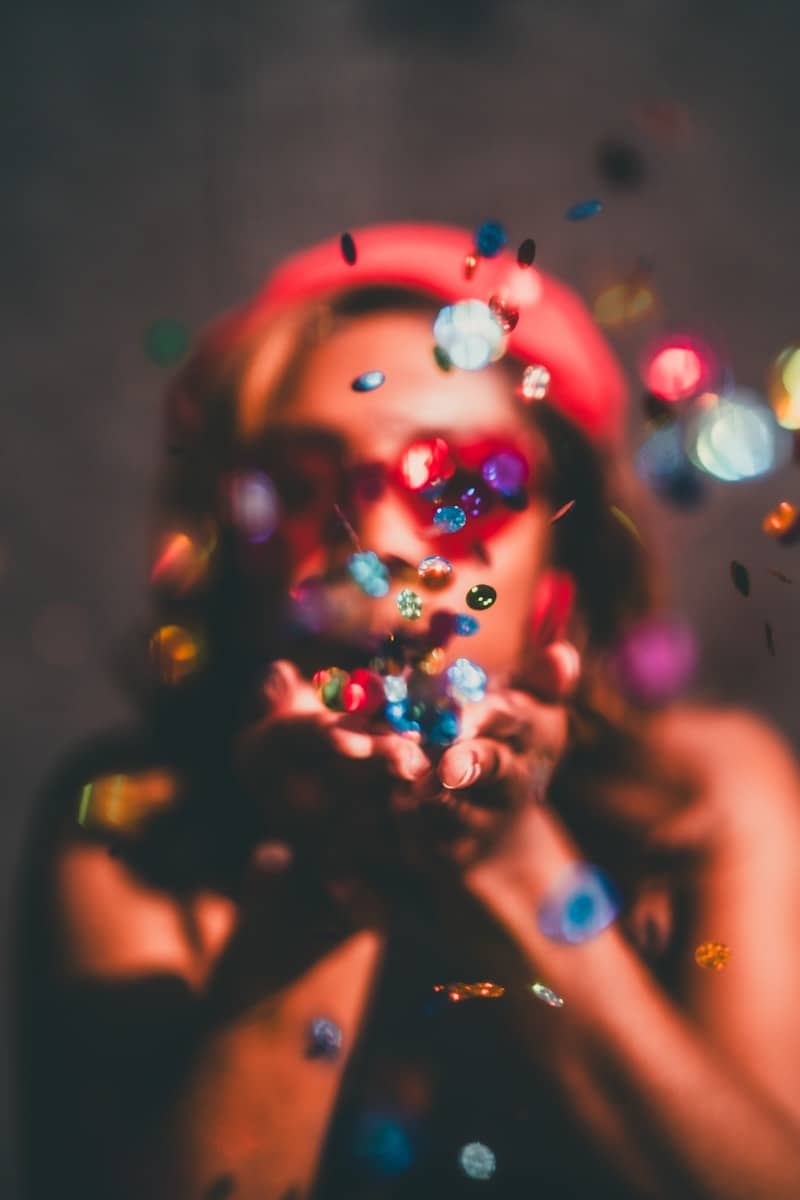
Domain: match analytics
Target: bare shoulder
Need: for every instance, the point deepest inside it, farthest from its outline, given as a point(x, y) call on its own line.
point(747, 774)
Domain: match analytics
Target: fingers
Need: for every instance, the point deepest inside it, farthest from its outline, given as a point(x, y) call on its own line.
point(404, 758)
point(486, 760)
point(288, 694)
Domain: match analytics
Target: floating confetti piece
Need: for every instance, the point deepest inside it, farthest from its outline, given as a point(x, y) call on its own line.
point(371, 575)
point(738, 438)
point(526, 253)
point(581, 905)
point(470, 991)
point(122, 804)
point(655, 660)
point(477, 1161)
point(713, 955)
point(329, 685)
point(562, 512)
point(620, 164)
point(469, 334)
point(583, 210)
point(176, 653)
point(481, 596)
point(409, 604)
point(504, 312)
point(395, 688)
point(348, 248)
point(467, 680)
point(324, 1038)
point(424, 464)
point(181, 563)
point(535, 382)
point(433, 662)
point(470, 263)
point(368, 381)
point(435, 572)
point(450, 518)
point(781, 520)
point(253, 504)
point(625, 521)
point(490, 239)
point(363, 692)
point(769, 637)
point(546, 995)
point(624, 303)
point(741, 577)
point(505, 472)
point(442, 727)
point(779, 575)
point(464, 625)
point(166, 342)
point(783, 387)
point(443, 360)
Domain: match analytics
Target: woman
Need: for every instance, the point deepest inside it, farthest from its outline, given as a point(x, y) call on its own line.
point(256, 975)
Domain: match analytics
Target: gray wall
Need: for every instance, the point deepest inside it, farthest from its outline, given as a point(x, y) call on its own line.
point(158, 157)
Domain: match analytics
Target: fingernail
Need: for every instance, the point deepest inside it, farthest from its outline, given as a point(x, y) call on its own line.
point(413, 763)
point(470, 773)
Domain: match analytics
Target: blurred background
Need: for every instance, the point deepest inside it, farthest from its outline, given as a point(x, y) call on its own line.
point(159, 158)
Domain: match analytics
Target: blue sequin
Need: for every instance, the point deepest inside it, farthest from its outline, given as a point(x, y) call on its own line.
point(583, 903)
point(450, 519)
point(467, 680)
point(369, 573)
point(464, 625)
point(490, 239)
point(368, 381)
point(583, 210)
point(324, 1038)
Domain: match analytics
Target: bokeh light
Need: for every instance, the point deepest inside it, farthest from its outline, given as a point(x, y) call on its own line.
point(469, 333)
point(738, 438)
point(677, 367)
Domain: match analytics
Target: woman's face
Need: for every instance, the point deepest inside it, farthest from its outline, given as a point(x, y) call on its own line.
point(478, 416)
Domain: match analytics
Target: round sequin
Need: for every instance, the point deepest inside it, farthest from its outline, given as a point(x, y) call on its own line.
point(470, 263)
point(490, 239)
point(324, 1038)
point(712, 955)
point(425, 464)
point(469, 334)
point(467, 680)
point(364, 692)
point(182, 562)
point(481, 596)
point(368, 381)
point(329, 685)
point(254, 504)
point(470, 991)
point(583, 210)
point(433, 662)
point(504, 311)
point(442, 727)
point(442, 359)
point(409, 604)
point(371, 575)
point(395, 688)
point(546, 995)
point(176, 653)
point(505, 472)
point(477, 1161)
point(582, 903)
point(348, 249)
point(464, 625)
point(781, 520)
point(526, 253)
point(450, 518)
point(535, 382)
point(435, 572)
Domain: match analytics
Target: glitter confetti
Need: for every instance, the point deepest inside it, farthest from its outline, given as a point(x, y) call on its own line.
point(467, 680)
point(470, 991)
point(433, 662)
point(166, 342)
point(368, 381)
point(526, 253)
point(470, 263)
point(779, 575)
point(469, 334)
point(181, 563)
point(424, 464)
point(324, 1038)
point(253, 504)
point(562, 512)
point(546, 995)
point(535, 382)
point(481, 596)
point(583, 210)
point(781, 520)
point(504, 312)
point(348, 248)
point(741, 577)
point(409, 604)
point(450, 518)
point(122, 804)
point(464, 625)
point(435, 572)
point(505, 472)
point(364, 692)
point(783, 387)
point(442, 359)
point(655, 660)
point(625, 521)
point(329, 685)
point(581, 904)
point(769, 637)
point(490, 239)
point(371, 575)
point(395, 688)
point(176, 653)
point(477, 1161)
point(712, 955)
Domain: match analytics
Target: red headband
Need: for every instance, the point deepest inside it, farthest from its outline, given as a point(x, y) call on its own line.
point(554, 327)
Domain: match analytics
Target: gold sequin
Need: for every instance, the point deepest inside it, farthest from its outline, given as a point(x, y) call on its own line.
point(713, 955)
point(122, 804)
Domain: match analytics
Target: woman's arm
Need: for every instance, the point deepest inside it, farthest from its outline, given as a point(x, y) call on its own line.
point(698, 1100)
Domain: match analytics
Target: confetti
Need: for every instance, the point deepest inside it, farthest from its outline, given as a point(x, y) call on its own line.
point(182, 562)
point(620, 164)
point(475, 501)
point(769, 637)
point(741, 577)
point(433, 662)
point(176, 653)
point(166, 342)
point(625, 521)
point(526, 253)
point(464, 625)
point(581, 905)
point(324, 1038)
point(395, 688)
point(779, 575)
point(467, 680)
point(368, 381)
point(505, 472)
point(655, 660)
point(583, 210)
point(470, 263)
point(677, 367)
point(426, 463)
point(562, 512)
point(490, 239)
point(546, 995)
point(738, 438)
point(713, 955)
point(348, 248)
point(435, 572)
point(409, 604)
point(504, 311)
point(329, 685)
point(469, 334)
point(781, 520)
point(783, 387)
point(470, 991)
point(450, 518)
point(477, 1161)
point(363, 692)
point(442, 727)
point(480, 596)
point(123, 804)
point(535, 382)
point(383, 1144)
point(442, 359)
point(253, 504)
point(371, 575)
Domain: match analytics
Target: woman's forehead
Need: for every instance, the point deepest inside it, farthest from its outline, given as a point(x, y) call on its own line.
point(416, 397)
